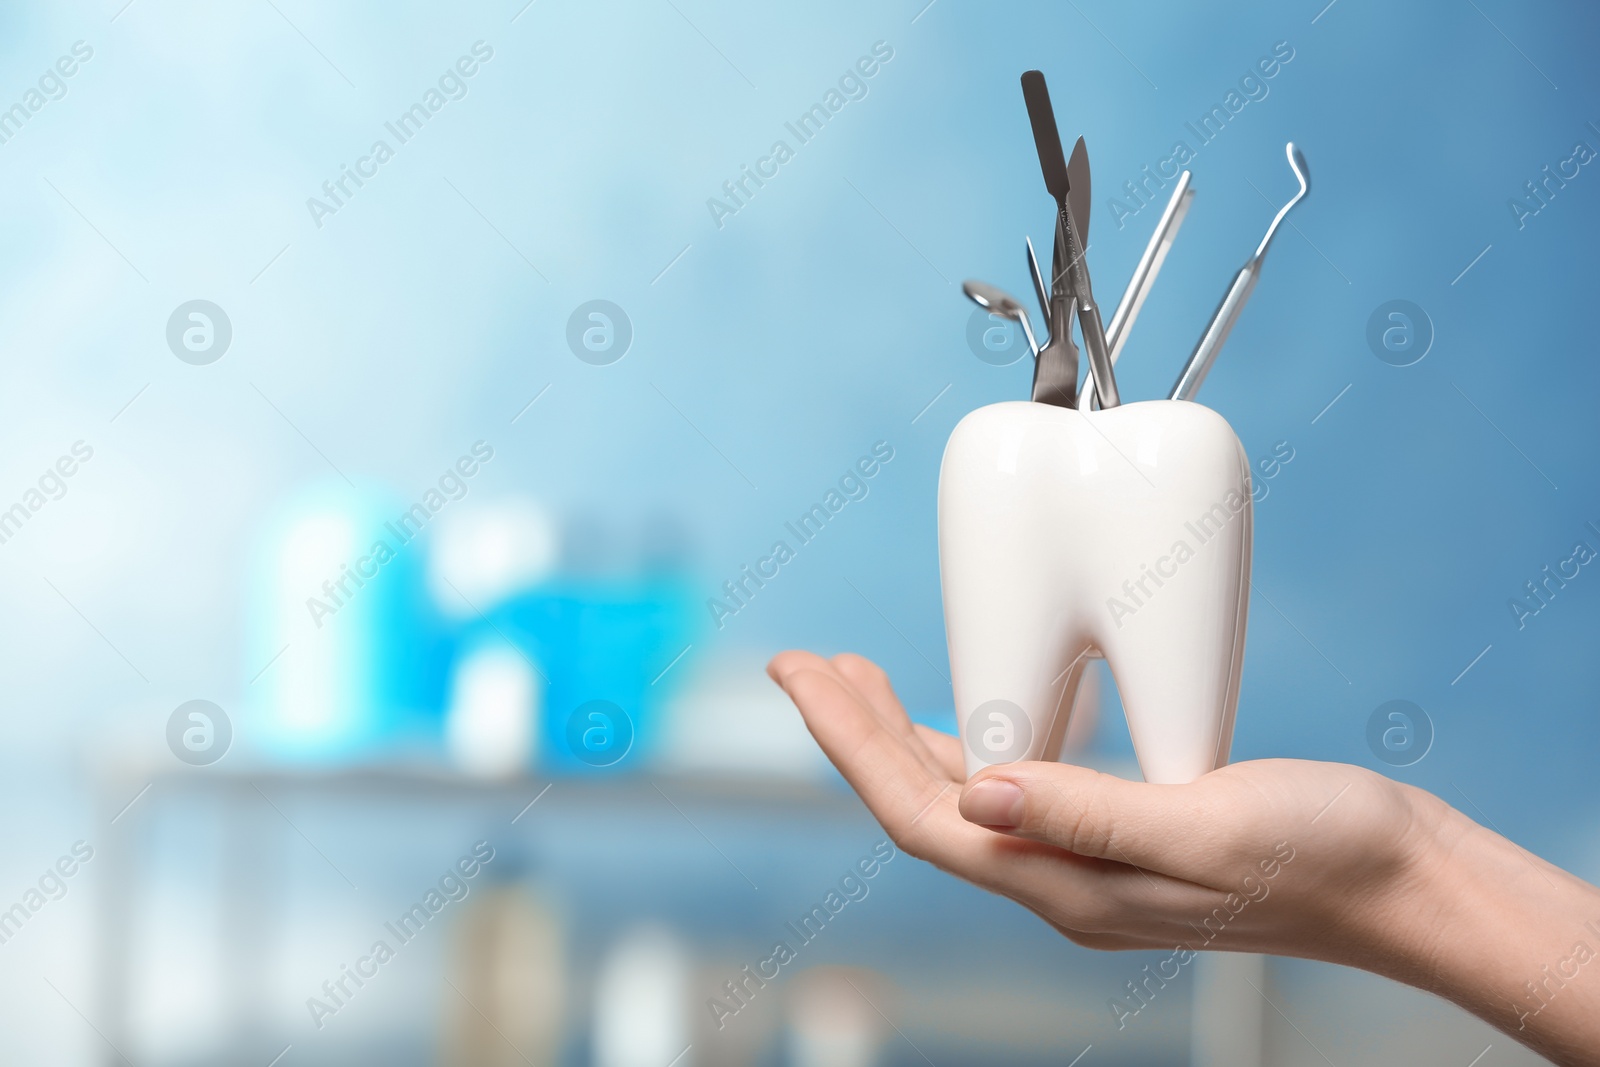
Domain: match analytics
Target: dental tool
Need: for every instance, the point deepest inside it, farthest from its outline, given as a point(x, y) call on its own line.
point(1055, 374)
point(1144, 275)
point(1003, 304)
point(1037, 276)
point(1053, 163)
point(1062, 371)
point(1079, 186)
point(1227, 313)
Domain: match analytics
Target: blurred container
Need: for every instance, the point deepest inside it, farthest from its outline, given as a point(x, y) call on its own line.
point(832, 1021)
point(598, 640)
point(505, 1000)
point(496, 696)
point(488, 551)
point(643, 1001)
point(373, 634)
point(351, 655)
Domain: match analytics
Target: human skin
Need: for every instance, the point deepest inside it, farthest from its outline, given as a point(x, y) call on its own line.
point(1384, 876)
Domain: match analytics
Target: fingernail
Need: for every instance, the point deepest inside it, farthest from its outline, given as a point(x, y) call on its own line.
point(993, 802)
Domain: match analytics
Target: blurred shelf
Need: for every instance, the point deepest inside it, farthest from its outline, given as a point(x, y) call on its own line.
point(118, 783)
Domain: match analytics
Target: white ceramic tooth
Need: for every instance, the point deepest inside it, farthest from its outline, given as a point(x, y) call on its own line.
point(1059, 537)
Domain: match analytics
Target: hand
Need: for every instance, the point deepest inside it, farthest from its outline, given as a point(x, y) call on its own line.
point(1118, 864)
point(1319, 860)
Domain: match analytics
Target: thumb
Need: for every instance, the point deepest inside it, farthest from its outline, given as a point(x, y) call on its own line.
point(1158, 827)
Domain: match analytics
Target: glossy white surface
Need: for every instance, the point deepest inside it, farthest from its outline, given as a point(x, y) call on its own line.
point(1124, 533)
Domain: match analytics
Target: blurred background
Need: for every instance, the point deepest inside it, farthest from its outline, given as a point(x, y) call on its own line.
point(398, 397)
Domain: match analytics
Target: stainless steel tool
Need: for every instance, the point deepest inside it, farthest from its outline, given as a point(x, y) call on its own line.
point(1003, 304)
point(1078, 188)
point(1055, 375)
point(1078, 184)
point(1144, 275)
point(1037, 275)
point(1227, 313)
point(1053, 163)
point(1055, 372)
point(1155, 253)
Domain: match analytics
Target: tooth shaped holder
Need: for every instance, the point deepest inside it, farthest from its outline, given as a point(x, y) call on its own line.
point(1066, 534)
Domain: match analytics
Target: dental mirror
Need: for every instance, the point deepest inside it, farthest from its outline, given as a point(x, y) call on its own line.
point(1003, 304)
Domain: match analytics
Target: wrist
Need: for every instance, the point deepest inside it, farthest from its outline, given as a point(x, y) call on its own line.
point(1481, 922)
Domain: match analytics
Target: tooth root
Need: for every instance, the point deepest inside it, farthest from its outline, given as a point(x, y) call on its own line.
point(1177, 661)
point(1006, 662)
point(1007, 642)
point(1070, 695)
point(1231, 705)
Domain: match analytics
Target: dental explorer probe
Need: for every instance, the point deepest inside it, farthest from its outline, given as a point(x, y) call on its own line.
point(1227, 313)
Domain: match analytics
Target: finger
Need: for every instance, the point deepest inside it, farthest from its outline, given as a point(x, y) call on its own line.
point(785, 663)
point(1118, 942)
point(870, 681)
point(1096, 896)
point(873, 685)
point(1188, 831)
point(915, 805)
point(875, 697)
point(945, 749)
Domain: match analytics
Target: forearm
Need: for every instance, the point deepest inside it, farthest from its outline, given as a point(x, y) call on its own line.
point(1507, 936)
